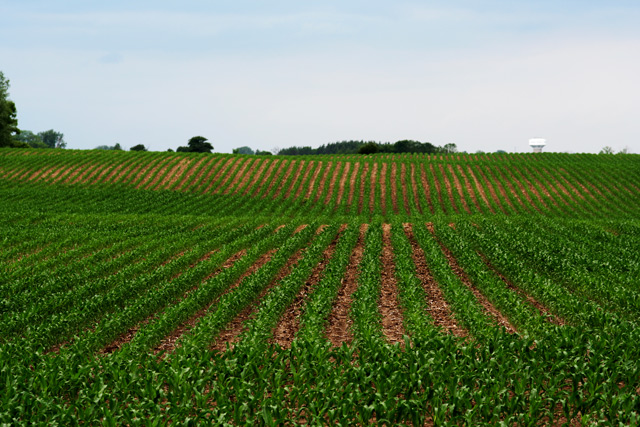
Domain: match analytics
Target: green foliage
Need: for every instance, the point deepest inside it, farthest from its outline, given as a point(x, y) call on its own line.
point(243, 150)
point(369, 148)
point(197, 144)
point(139, 147)
point(53, 139)
point(8, 116)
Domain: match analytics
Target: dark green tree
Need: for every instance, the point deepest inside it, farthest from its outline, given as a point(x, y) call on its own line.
point(52, 138)
point(197, 144)
point(243, 150)
point(139, 147)
point(263, 153)
point(369, 148)
point(30, 138)
point(8, 117)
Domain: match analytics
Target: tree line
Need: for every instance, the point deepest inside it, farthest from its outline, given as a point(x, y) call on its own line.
point(370, 147)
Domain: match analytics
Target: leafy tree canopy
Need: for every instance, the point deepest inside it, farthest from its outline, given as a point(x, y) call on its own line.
point(8, 117)
point(139, 147)
point(52, 138)
point(243, 150)
point(197, 144)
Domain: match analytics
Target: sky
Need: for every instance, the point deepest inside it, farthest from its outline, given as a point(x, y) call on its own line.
point(485, 75)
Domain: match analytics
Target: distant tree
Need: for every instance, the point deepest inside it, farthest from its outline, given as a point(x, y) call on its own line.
point(625, 150)
point(139, 147)
point(30, 138)
point(117, 147)
point(263, 153)
point(369, 148)
point(52, 138)
point(197, 144)
point(169, 150)
point(449, 148)
point(606, 150)
point(500, 151)
point(275, 150)
point(109, 147)
point(8, 117)
point(243, 150)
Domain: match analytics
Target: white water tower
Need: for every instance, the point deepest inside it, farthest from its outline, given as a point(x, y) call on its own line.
point(537, 144)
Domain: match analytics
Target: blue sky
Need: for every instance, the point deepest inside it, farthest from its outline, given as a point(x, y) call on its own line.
point(485, 75)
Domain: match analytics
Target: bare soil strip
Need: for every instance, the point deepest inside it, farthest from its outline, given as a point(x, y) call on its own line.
point(174, 174)
point(207, 168)
point(114, 172)
point(437, 184)
point(534, 190)
point(76, 175)
point(275, 178)
point(210, 181)
point(403, 185)
point(532, 301)
point(389, 305)
point(239, 175)
point(332, 183)
point(339, 323)
point(469, 188)
point(425, 186)
point(231, 333)
point(247, 175)
point(480, 189)
point(438, 308)
point(372, 192)
point(314, 177)
point(394, 187)
point(488, 307)
point(414, 188)
point(352, 181)
point(151, 172)
point(511, 188)
point(363, 176)
point(458, 185)
point(322, 182)
point(312, 164)
point(100, 172)
point(284, 179)
point(523, 190)
point(383, 188)
point(343, 180)
point(256, 176)
point(169, 343)
point(296, 177)
point(231, 173)
point(265, 177)
point(492, 190)
point(448, 187)
point(188, 174)
point(574, 191)
point(162, 174)
point(289, 323)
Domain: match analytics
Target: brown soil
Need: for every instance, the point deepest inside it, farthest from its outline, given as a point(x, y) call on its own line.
point(151, 172)
point(174, 174)
point(574, 191)
point(480, 189)
point(425, 186)
point(352, 182)
point(492, 190)
point(253, 184)
point(403, 185)
point(438, 308)
point(534, 190)
point(523, 190)
point(43, 175)
point(188, 174)
point(488, 307)
point(343, 180)
point(275, 178)
point(65, 173)
point(245, 176)
point(132, 172)
point(162, 174)
point(209, 182)
point(469, 188)
point(545, 191)
point(363, 176)
point(389, 305)
point(284, 179)
point(414, 188)
point(339, 323)
point(296, 177)
point(437, 185)
point(383, 188)
point(98, 174)
point(511, 188)
point(197, 184)
point(114, 172)
point(332, 183)
point(313, 179)
point(311, 165)
point(231, 333)
point(448, 187)
point(77, 175)
point(458, 185)
point(169, 343)
point(239, 175)
point(323, 181)
point(538, 305)
point(372, 193)
point(289, 323)
point(230, 173)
